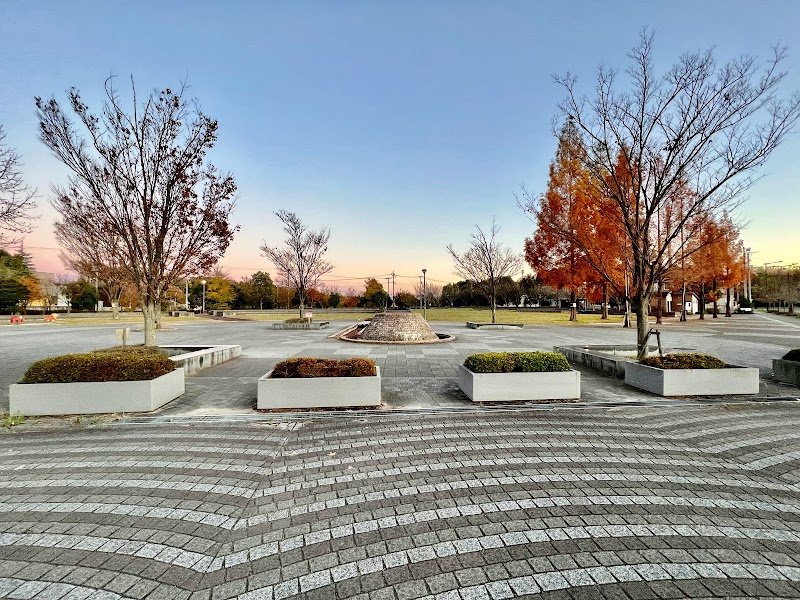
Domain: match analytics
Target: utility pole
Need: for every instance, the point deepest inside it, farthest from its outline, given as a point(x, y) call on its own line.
point(387, 293)
point(96, 293)
point(424, 295)
point(394, 289)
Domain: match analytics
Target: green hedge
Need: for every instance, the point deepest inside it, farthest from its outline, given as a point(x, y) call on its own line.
point(112, 364)
point(684, 361)
point(324, 367)
point(516, 362)
point(792, 355)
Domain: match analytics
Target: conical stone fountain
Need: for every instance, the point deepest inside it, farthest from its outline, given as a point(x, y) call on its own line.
point(397, 327)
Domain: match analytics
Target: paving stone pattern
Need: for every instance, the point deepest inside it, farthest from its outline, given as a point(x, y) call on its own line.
point(627, 503)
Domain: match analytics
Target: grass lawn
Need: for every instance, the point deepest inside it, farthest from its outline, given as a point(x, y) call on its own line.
point(320, 314)
point(456, 315)
point(481, 315)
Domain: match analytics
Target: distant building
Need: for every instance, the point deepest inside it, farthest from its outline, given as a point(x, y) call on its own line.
point(50, 289)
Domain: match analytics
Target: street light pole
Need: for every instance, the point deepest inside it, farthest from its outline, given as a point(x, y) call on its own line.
point(96, 293)
point(424, 295)
point(203, 281)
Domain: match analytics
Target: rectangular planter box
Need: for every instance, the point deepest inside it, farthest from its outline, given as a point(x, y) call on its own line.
point(692, 382)
point(319, 392)
point(96, 397)
point(787, 371)
point(507, 387)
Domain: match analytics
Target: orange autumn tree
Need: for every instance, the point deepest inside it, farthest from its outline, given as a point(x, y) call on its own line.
point(716, 264)
point(557, 260)
point(578, 244)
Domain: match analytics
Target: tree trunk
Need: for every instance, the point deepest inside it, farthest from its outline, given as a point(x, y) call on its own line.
point(683, 303)
point(641, 304)
point(149, 312)
point(660, 299)
point(728, 302)
point(702, 301)
point(715, 310)
point(573, 312)
point(604, 313)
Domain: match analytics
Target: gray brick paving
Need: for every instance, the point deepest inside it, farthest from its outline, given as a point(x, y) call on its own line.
point(697, 501)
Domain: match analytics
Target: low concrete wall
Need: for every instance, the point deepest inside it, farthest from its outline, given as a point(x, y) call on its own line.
point(318, 392)
point(96, 397)
point(509, 387)
point(473, 325)
point(592, 357)
point(197, 358)
point(312, 325)
point(692, 382)
point(786, 371)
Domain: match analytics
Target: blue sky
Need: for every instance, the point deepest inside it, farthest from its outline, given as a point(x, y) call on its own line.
point(400, 125)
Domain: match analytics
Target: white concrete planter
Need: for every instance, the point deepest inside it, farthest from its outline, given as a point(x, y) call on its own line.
point(507, 387)
point(692, 382)
point(318, 392)
point(95, 397)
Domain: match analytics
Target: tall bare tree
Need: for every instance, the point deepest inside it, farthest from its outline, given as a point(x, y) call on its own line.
point(92, 260)
point(698, 130)
point(301, 256)
point(17, 200)
point(485, 262)
point(140, 187)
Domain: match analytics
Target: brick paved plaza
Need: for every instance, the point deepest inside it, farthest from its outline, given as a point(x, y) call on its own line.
point(641, 503)
point(664, 501)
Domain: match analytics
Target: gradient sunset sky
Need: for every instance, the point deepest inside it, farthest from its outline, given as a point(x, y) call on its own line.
point(400, 125)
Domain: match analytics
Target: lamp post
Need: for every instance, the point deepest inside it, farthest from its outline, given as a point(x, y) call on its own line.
point(424, 295)
point(627, 320)
point(203, 281)
point(96, 293)
point(749, 283)
point(186, 292)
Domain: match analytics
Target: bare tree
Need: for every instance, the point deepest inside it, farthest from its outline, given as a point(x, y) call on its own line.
point(301, 256)
point(432, 293)
point(17, 200)
point(140, 189)
point(697, 131)
point(485, 263)
point(92, 260)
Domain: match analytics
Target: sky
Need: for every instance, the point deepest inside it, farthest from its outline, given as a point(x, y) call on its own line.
point(398, 125)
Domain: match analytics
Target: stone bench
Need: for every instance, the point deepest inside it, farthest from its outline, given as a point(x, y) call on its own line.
point(474, 325)
point(311, 325)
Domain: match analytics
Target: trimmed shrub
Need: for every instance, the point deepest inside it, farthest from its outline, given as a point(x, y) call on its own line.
point(516, 362)
point(298, 320)
point(684, 361)
point(112, 364)
point(324, 367)
point(792, 355)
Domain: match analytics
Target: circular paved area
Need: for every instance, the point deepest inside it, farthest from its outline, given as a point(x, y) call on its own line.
point(627, 503)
